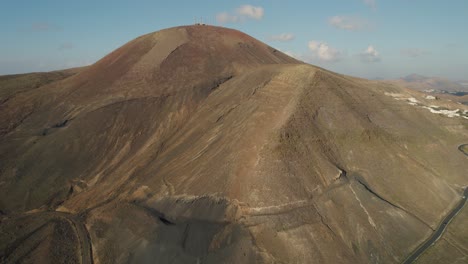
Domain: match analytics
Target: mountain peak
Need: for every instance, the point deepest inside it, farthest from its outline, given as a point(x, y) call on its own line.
point(196, 52)
point(200, 143)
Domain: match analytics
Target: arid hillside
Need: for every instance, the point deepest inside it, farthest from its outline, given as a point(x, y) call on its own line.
point(200, 144)
point(17, 83)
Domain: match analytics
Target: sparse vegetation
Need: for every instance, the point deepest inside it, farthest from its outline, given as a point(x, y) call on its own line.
point(201, 144)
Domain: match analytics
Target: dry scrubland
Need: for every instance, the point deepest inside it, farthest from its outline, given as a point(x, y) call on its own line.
point(248, 157)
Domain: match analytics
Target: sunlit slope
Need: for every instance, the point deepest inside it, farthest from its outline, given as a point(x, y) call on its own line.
point(203, 144)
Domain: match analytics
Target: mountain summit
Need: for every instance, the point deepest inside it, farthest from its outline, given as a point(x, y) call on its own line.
point(200, 144)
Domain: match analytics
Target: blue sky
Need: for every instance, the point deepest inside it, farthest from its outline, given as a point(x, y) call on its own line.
point(366, 38)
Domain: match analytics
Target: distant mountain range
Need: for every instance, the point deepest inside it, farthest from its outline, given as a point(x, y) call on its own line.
point(201, 144)
point(434, 84)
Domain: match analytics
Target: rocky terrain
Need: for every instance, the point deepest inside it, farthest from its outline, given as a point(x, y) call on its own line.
point(200, 144)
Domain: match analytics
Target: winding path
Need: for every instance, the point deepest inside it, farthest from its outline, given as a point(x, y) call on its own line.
point(86, 251)
point(443, 225)
point(83, 247)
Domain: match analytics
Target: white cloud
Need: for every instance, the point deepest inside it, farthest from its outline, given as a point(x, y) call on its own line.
point(254, 12)
point(371, 3)
point(225, 17)
point(324, 52)
point(313, 45)
point(370, 55)
point(282, 37)
point(352, 23)
point(241, 14)
point(413, 52)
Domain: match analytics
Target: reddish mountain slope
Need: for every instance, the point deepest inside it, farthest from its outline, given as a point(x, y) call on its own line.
point(202, 144)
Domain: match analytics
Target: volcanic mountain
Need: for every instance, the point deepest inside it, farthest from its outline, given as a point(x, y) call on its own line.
point(200, 144)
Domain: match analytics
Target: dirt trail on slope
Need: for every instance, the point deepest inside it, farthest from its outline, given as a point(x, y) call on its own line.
point(442, 227)
point(64, 230)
